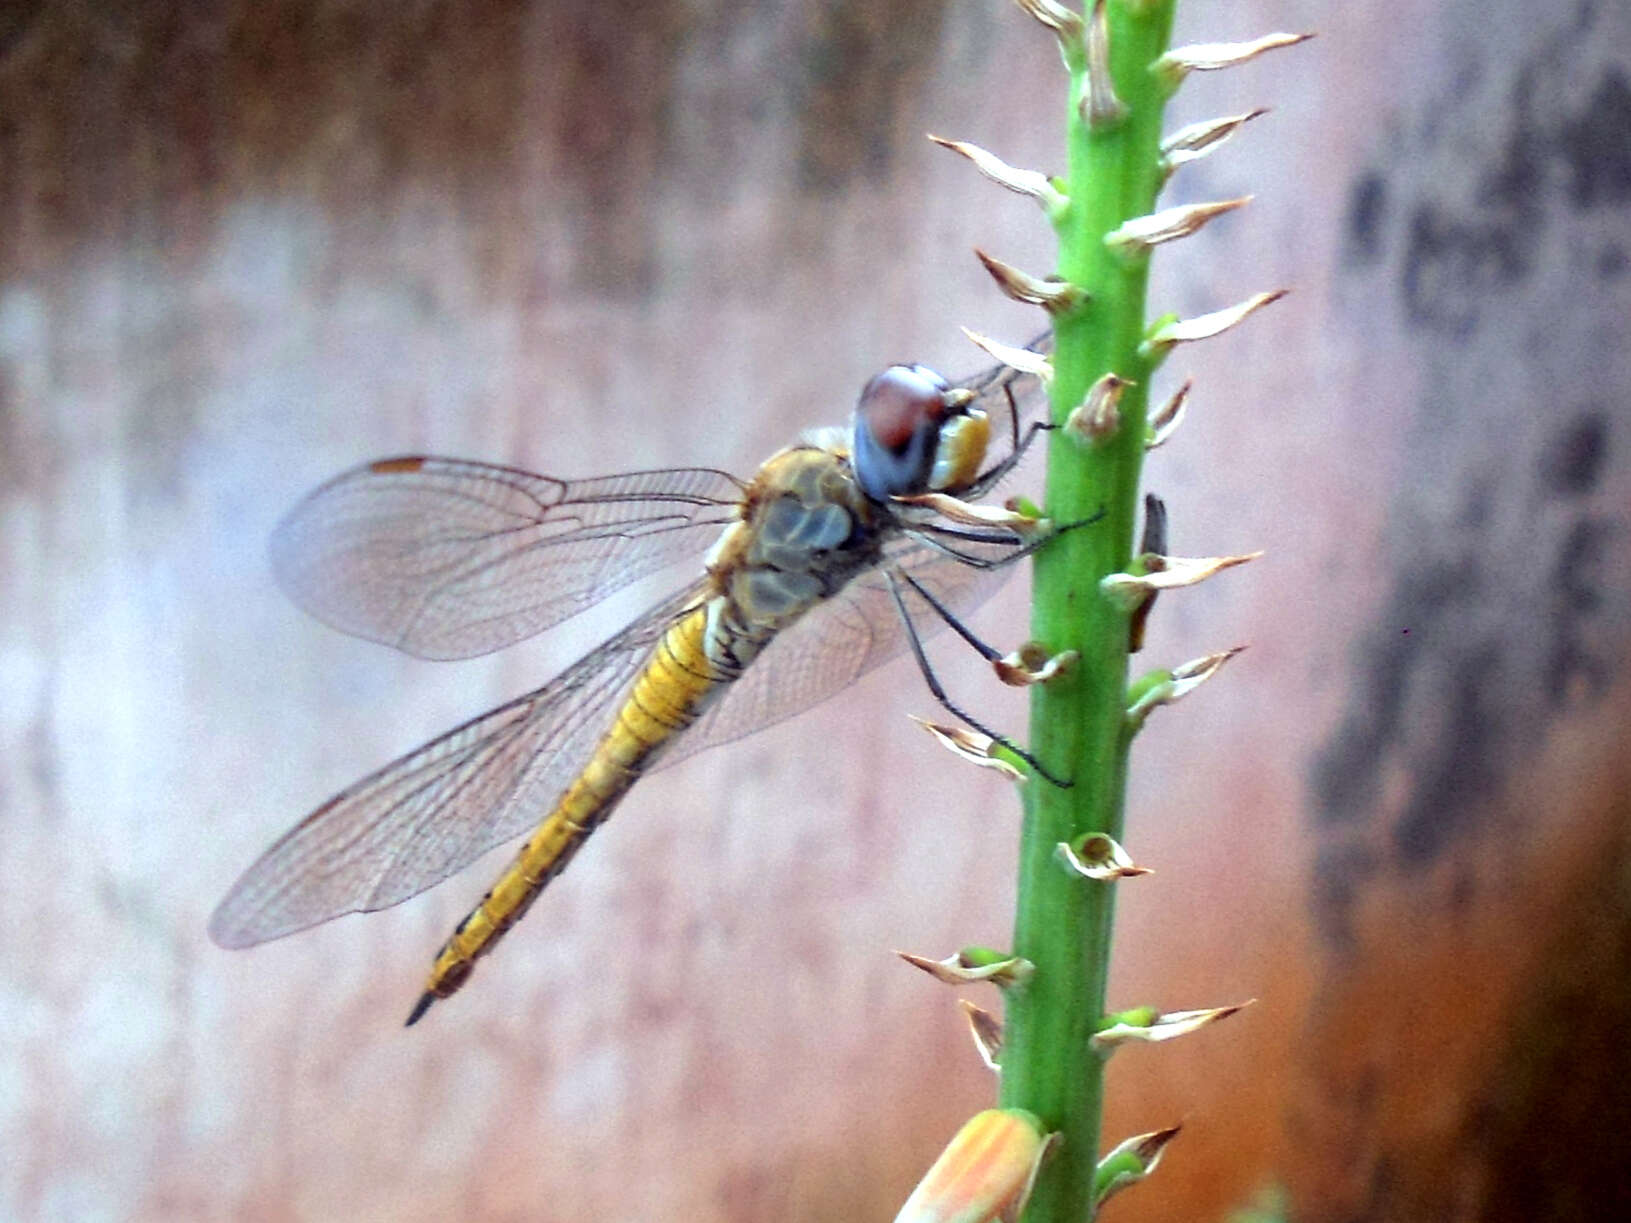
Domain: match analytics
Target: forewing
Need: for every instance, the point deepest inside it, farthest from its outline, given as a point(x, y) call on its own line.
point(836, 643)
point(443, 558)
point(423, 817)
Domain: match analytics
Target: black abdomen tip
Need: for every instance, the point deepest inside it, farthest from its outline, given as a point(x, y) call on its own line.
point(419, 1008)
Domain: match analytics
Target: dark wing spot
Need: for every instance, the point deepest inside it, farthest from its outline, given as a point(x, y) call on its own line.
point(386, 467)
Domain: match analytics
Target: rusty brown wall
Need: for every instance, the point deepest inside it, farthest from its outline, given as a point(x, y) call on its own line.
point(244, 246)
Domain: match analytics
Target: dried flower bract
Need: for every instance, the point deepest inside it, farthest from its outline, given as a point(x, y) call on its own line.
point(1026, 182)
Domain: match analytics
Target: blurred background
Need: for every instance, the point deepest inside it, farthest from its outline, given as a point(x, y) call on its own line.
point(243, 247)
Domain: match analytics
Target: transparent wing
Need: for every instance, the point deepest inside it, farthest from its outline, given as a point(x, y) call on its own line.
point(836, 643)
point(435, 810)
point(449, 559)
point(432, 812)
point(443, 558)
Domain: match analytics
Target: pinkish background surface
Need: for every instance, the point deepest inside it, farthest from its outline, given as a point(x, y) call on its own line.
point(244, 247)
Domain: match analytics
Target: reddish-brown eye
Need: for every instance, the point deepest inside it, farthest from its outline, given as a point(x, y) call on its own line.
point(899, 402)
point(897, 427)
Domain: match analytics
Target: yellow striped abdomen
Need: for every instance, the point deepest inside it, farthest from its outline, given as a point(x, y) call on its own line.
point(670, 693)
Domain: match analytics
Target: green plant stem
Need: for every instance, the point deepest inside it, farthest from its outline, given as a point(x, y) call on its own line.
point(1062, 922)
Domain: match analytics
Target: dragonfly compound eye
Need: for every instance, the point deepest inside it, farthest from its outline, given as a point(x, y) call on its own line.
point(897, 430)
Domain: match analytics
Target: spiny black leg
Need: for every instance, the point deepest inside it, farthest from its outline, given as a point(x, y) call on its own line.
point(925, 533)
point(964, 558)
point(1004, 539)
point(986, 652)
point(946, 702)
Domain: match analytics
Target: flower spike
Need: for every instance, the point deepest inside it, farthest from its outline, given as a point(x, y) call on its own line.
point(1108, 218)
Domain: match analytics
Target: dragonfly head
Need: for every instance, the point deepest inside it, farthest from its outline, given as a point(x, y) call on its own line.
point(915, 434)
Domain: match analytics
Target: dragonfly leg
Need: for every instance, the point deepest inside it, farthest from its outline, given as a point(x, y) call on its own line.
point(987, 479)
point(989, 653)
point(925, 534)
point(1006, 539)
point(939, 692)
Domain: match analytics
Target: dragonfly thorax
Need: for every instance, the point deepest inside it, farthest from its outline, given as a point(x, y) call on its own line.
point(915, 434)
point(806, 529)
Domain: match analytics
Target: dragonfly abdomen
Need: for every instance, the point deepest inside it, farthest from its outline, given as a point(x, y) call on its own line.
point(671, 692)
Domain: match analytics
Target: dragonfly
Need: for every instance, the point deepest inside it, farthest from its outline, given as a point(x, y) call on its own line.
point(839, 553)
